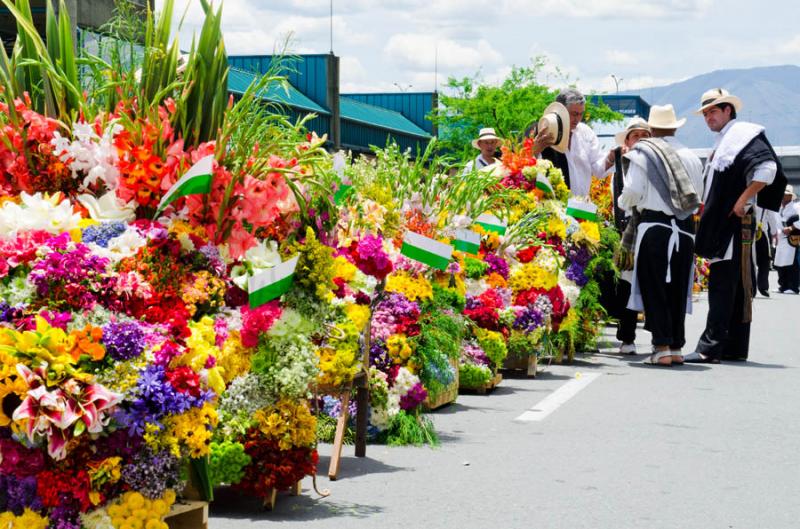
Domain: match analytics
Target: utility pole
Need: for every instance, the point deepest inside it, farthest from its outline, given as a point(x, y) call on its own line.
point(617, 81)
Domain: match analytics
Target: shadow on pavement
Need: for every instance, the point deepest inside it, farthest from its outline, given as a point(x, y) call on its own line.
point(676, 369)
point(757, 365)
point(229, 504)
point(350, 466)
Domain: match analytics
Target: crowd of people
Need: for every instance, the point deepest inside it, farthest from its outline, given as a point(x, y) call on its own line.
point(736, 210)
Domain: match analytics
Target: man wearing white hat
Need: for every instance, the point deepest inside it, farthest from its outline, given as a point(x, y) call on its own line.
point(570, 144)
point(785, 253)
point(487, 142)
point(742, 168)
point(663, 186)
point(627, 319)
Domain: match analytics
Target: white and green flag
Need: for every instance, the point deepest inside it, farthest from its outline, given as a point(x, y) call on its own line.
point(543, 183)
point(426, 250)
point(196, 181)
point(581, 210)
point(271, 283)
point(467, 241)
point(490, 222)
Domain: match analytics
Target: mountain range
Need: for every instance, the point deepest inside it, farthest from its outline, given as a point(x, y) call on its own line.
point(771, 97)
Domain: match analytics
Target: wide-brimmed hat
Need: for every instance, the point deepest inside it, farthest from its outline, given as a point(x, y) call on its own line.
point(789, 190)
point(663, 117)
point(555, 120)
point(715, 96)
point(485, 134)
point(635, 124)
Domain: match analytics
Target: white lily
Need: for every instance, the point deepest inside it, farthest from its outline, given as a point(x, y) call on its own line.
point(108, 208)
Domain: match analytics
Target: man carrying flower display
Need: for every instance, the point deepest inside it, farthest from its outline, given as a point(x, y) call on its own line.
point(575, 151)
point(742, 165)
point(663, 186)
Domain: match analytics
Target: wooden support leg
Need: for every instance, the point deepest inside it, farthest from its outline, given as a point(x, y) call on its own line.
point(271, 499)
point(362, 403)
point(532, 365)
point(338, 441)
point(297, 488)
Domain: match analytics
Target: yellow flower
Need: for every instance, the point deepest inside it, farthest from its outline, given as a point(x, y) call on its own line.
point(289, 423)
point(358, 314)
point(413, 288)
point(344, 269)
point(399, 348)
point(234, 358)
point(556, 227)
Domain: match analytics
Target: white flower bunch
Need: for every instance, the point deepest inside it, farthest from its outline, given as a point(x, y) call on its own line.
point(89, 155)
point(547, 259)
point(97, 519)
point(37, 213)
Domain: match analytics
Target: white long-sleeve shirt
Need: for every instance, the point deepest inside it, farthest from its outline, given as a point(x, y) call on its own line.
point(640, 193)
point(764, 172)
point(585, 159)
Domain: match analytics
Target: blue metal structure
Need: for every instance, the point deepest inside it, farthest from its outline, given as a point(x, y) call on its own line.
point(627, 105)
point(355, 121)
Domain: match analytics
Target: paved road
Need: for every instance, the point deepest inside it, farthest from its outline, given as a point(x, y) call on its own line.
point(687, 447)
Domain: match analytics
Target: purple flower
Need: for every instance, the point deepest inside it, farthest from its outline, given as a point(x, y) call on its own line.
point(101, 234)
point(474, 354)
point(576, 273)
point(18, 493)
point(379, 356)
point(215, 262)
point(415, 396)
point(496, 265)
point(152, 473)
point(11, 314)
point(124, 340)
point(529, 320)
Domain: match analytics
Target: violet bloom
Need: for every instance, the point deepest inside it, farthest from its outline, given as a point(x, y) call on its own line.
point(123, 340)
point(17, 494)
point(474, 354)
point(151, 473)
point(379, 356)
point(576, 273)
point(415, 396)
point(496, 265)
point(529, 320)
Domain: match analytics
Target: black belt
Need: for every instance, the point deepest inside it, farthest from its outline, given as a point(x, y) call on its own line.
point(648, 215)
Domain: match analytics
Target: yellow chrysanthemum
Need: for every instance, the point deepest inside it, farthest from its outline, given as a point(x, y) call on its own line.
point(289, 423)
point(413, 288)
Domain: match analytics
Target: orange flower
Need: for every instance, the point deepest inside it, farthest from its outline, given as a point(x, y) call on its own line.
point(87, 342)
point(495, 280)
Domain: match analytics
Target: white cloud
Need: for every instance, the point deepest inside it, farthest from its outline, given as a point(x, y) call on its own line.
point(791, 47)
point(351, 70)
point(613, 8)
point(418, 52)
point(620, 58)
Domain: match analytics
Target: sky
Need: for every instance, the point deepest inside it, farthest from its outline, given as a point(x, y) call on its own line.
point(415, 45)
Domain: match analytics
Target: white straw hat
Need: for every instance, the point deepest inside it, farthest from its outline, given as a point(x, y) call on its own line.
point(485, 134)
point(635, 124)
point(715, 96)
point(555, 120)
point(663, 117)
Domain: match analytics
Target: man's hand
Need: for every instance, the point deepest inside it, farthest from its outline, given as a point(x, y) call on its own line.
point(542, 140)
point(787, 230)
point(739, 209)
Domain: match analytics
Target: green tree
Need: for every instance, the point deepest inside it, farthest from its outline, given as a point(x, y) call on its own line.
point(509, 107)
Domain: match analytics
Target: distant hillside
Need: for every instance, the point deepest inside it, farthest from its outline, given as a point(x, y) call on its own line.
point(771, 97)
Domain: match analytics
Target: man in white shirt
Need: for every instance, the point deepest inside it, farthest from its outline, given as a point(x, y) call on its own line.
point(743, 165)
point(786, 254)
point(487, 142)
point(662, 191)
point(583, 157)
point(768, 224)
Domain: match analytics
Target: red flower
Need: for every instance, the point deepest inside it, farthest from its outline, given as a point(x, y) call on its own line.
point(185, 380)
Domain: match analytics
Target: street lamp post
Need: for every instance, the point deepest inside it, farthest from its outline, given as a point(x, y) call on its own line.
point(403, 87)
point(617, 81)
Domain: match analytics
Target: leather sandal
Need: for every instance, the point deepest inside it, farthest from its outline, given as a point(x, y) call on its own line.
point(659, 358)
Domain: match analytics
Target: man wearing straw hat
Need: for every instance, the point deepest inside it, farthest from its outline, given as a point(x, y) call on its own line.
point(786, 254)
point(487, 142)
point(636, 130)
point(570, 144)
point(663, 186)
point(742, 169)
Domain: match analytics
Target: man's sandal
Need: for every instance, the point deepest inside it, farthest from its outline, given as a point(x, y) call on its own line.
point(659, 358)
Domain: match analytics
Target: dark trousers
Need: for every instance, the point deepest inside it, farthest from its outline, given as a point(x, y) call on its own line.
point(626, 318)
point(789, 276)
point(763, 259)
point(665, 302)
point(726, 336)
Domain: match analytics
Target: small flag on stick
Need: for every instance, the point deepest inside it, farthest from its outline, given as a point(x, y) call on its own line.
point(196, 181)
point(467, 241)
point(543, 183)
point(426, 250)
point(490, 222)
point(581, 210)
point(271, 283)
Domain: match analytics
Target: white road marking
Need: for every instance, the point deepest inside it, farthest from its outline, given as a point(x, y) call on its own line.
point(553, 401)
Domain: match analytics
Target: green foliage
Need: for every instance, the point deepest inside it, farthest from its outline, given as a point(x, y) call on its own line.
point(47, 72)
point(447, 298)
point(475, 268)
point(407, 429)
point(493, 344)
point(326, 430)
point(226, 463)
point(472, 376)
point(509, 107)
point(522, 344)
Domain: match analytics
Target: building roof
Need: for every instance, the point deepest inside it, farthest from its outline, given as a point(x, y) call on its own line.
point(375, 116)
point(239, 80)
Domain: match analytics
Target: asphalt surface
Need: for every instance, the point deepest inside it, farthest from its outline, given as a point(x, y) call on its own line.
point(686, 447)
